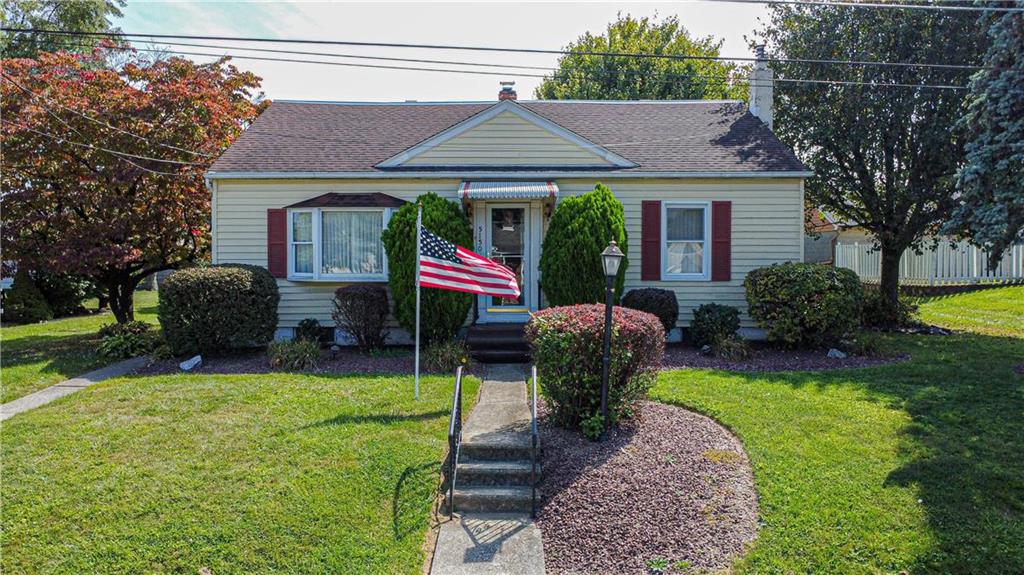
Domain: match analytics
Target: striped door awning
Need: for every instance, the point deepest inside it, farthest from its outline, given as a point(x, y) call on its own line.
point(507, 190)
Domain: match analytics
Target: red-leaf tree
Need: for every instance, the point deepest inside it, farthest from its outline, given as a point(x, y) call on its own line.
point(103, 168)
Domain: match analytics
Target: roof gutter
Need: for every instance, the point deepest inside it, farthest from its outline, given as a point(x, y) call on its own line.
point(479, 175)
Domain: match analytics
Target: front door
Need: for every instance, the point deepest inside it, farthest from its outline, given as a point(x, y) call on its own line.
point(509, 241)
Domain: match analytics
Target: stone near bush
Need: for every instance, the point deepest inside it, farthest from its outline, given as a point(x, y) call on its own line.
point(442, 311)
point(215, 309)
point(836, 354)
point(362, 312)
point(191, 363)
point(662, 303)
point(567, 345)
point(712, 323)
point(804, 304)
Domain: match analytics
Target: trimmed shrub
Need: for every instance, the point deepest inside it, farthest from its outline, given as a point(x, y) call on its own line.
point(131, 327)
point(215, 309)
point(731, 347)
point(24, 303)
point(804, 304)
point(295, 355)
point(570, 258)
point(880, 313)
point(712, 323)
point(567, 344)
point(309, 330)
point(442, 312)
point(128, 344)
point(660, 302)
point(65, 292)
point(445, 357)
point(362, 312)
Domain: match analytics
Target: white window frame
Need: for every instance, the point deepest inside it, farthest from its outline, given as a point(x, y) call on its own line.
point(706, 263)
point(317, 275)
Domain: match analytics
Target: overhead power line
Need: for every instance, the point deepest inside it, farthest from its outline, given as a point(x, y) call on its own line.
point(876, 5)
point(665, 76)
point(153, 37)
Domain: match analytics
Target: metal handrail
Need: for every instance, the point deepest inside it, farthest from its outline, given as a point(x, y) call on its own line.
point(454, 440)
point(534, 441)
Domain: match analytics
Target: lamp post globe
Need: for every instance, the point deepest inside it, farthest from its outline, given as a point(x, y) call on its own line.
point(611, 259)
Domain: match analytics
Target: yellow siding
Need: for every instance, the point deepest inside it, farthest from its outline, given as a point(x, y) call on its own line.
point(767, 228)
point(505, 140)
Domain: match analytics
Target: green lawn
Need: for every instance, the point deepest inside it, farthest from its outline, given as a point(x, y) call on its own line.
point(994, 311)
point(38, 355)
point(275, 473)
point(915, 467)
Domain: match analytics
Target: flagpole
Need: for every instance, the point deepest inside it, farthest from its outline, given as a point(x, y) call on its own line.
point(419, 233)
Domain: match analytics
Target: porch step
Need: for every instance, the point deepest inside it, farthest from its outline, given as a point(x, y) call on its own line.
point(498, 450)
point(477, 498)
point(498, 343)
point(495, 472)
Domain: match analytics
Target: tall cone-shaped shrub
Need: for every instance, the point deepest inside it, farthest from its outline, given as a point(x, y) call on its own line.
point(570, 260)
point(442, 312)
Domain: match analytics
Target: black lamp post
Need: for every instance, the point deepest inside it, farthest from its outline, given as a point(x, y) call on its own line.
point(611, 258)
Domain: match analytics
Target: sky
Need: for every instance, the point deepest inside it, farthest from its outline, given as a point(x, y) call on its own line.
point(546, 25)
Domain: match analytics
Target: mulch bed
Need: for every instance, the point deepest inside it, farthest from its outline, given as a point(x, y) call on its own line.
point(668, 484)
point(347, 361)
point(766, 357)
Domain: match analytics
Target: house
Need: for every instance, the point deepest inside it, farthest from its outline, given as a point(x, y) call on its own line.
point(820, 237)
point(709, 191)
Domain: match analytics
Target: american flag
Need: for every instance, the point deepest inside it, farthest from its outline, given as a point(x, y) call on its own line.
point(445, 265)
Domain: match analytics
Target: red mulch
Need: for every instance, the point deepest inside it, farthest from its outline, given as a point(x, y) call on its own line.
point(766, 357)
point(668, 484)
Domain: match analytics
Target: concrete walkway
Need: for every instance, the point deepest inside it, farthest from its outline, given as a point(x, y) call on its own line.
point(68, 386)
point(488, 543)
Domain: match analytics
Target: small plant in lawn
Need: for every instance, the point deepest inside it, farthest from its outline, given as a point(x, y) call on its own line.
point(804, 304)
point(567, 344)
point(362, 312)
point(296, 355)
point(658, 565)
point(713, 322)
point(309, 330)
point(128, 344)
point(662, 303)
point(445, 356)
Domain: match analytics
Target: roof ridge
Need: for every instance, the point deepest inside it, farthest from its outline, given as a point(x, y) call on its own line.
point(488, 102)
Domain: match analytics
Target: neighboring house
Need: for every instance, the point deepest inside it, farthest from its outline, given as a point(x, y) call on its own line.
point(709, 191)
point(820, 237)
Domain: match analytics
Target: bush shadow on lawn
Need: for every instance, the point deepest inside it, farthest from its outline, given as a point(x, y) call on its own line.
point(963, 448)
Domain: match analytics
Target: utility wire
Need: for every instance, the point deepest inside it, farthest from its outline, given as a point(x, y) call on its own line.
point(40, 97)
point(127, 36)
point(666, 76)
point(875, 5)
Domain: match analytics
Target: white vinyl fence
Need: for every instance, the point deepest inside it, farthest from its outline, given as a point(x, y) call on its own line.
point(945, 264)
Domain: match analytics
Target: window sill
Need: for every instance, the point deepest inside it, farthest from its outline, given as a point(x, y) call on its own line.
point(684, 278)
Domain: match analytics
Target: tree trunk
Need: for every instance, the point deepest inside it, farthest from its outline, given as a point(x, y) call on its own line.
point(889, 282)
point(122, 300)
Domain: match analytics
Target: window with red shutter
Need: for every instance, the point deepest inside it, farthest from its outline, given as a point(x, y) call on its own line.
point(650, 241)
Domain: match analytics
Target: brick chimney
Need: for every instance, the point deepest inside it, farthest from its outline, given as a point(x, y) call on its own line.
point(762, 82)
point(508, 91)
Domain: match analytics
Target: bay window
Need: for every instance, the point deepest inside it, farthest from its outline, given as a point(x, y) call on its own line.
point(685, 248)
point(337, 244)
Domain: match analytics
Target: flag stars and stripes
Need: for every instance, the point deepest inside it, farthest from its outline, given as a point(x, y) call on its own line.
point(444, 265)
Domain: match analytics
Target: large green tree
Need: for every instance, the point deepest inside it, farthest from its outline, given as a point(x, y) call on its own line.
point(991, 183)
point(73, 15)
point(884, 157)
point(591, 77)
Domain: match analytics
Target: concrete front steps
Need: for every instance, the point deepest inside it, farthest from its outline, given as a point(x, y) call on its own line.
point(494, 468)
point(500, 343)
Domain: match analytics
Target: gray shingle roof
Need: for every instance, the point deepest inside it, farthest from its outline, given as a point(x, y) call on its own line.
point(658, 136)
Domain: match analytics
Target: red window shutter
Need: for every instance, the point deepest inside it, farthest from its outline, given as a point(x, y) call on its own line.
point(277, 242)
point(721, 241)
point(650, 240)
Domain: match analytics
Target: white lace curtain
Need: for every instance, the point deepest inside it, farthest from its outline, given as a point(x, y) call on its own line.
point(351, 243)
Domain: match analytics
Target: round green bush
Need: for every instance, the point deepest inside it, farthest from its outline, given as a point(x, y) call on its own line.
point(64, 293)
point(215, 309)
point(442, 312)
point(567, 344)
point(713, 323)
point(570, 258)
point(362, 312)
point(662, 303)
point(24, 303)
point(804, 304)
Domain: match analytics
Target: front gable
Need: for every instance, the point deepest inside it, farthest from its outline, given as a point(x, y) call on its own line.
point(506, 135)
